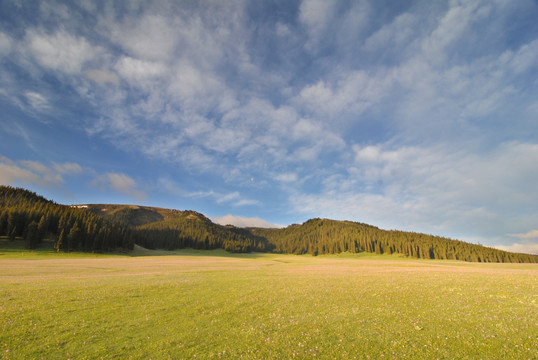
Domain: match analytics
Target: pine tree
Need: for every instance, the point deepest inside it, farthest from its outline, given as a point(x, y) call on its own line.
point(42, 227)
point(32, 235)
point(62, 239)
point(12, 225)
point(3, 222)
point(73, 238)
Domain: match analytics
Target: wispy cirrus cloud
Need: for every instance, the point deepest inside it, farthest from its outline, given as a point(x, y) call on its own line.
point(525, 248)
point(529, 244)
point(120, 183)
point(29, 172)
point(6, 44)
point(532, 234)
point(60, 51)
point(415, 188)
point(241, 221)
point(37, 101)
point(102, 77)
point(233, 198)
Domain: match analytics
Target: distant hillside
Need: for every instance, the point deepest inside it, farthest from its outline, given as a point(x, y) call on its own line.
point(172, 229)
point(34, 219)
point(105, 227)
point(323, 236)
point(158, 228)
point(134, 215)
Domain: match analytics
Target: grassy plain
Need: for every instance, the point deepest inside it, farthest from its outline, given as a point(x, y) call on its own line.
point(214, 305)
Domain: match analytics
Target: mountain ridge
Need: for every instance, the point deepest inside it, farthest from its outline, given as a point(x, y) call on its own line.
point(105, 227)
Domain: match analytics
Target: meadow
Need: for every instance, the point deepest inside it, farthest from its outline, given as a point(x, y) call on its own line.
point(215, 305)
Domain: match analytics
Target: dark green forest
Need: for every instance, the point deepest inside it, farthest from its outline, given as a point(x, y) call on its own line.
point(26, 215)
point(323, 236)
point(157, 228)
point(29, 217)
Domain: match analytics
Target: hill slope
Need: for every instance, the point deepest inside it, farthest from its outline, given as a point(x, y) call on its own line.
point(26, 215)
point(105, 227)
point(324, 236)
point(173, 229)
point(158, 228)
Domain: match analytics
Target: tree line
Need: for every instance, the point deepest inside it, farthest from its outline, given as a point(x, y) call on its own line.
point(26, 215)
point(323, 236)
point(101, 228)
point(191, 231)
point(157, 228)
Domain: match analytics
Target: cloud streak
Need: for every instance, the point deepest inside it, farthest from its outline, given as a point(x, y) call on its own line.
point(532, 234)
point(120, 183)
point(432, 189)
point(241, 221)
point(525, 248)
point(28, 172)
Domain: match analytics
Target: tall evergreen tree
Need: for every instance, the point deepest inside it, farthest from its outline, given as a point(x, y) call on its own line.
point(62, 240)
point(32, 235)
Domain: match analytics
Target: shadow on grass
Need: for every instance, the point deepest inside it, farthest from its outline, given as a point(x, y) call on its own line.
point(16, 249)
point(139, 251)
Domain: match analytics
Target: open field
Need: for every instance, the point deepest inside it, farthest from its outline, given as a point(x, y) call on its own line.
point(217, 305)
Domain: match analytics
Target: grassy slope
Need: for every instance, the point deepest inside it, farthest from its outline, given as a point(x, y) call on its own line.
point(135, 215)
point(265, 306)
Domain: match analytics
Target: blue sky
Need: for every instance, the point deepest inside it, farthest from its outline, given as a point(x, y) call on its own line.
point(412, 115)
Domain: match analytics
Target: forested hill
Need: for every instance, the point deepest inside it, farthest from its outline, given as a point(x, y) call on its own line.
point(172, 229)
point(158, 228)
point(323, 236)
point(27, 216)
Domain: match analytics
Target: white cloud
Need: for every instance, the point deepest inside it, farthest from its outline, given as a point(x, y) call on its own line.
point(526, 248)
point(136, 70)
point(282, 30)
point(228, 197)
point(286, 177)
point(426, 116)
point(49, 175)
point(234, 198)
point(523, 59)
point(368, 153)
point(246, 202)
point(120, 183)
point(60, 51)
point(452, 27)
point(346, 96)
point(169, 186)
point(11, 173)
point(37, 101)
point(445, 103)
point(316, 15)
point(194, 89)
point(327, 23)
point(6, 44)
point(151, 37)
point(532, 234)
point(240, 221)
point(102, 77)
point(68, 168)
point(396, 36)
point(432, 189)
point(29, 172)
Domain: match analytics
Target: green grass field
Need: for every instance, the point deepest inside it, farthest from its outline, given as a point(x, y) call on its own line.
point(213, 305)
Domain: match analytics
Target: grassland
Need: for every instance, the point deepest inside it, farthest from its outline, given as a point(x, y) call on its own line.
point(214, 305)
